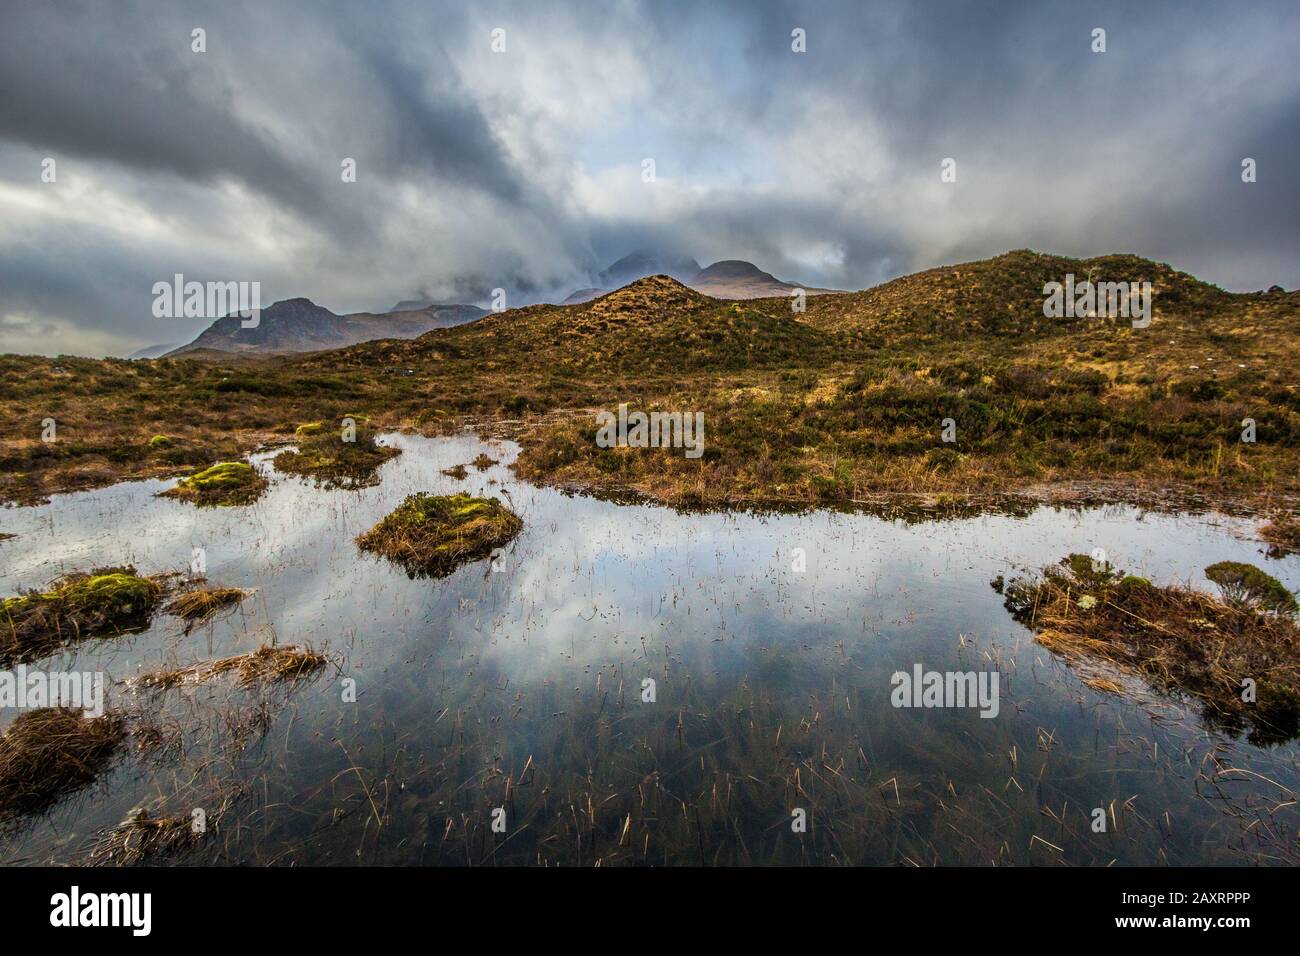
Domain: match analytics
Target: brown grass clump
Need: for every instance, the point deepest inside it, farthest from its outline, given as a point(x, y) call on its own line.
point(459, 472)
point(143, 837)
point(52, 751)
point(104, 602)
point(483, 462)
point(203, 603)
point(1179, 640)
point(267, 663)
point(432, 535)
point(1283, 534)
point(226, 484)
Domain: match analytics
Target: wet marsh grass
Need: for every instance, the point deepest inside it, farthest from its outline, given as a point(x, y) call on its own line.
point(1182, 641)
point(269, 663)
point(202, 604)
point(50, 752)
point(591, 776)
point(104, 602)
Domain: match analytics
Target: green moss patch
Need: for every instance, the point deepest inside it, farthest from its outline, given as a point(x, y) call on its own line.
point(227, 483)
point(325, 456)
point(432, 535)
point(105, 602)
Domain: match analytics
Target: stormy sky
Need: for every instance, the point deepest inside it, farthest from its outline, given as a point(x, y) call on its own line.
point(523, 169)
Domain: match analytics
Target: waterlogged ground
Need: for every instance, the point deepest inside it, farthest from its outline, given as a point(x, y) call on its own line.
point(521, 688)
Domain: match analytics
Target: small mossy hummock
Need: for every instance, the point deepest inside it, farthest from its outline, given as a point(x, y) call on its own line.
point(1183, 642)
point(107, 601)
point(227, 483)
point(432, 535)
point(336, 457)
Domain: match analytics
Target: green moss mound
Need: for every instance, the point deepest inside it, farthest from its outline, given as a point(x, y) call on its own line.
point(432, 535)
point(324, 456)
point(1247, 585)
point(107, 601)
point(227, 483)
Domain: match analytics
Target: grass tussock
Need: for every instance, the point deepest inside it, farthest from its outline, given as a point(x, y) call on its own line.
point(336, 457)
point(202, 604)
point(104, 602)
point(1239, 657)
point(459, 472)
point(483, 461)
point(267, 664)
point(50, 752)
point(432, 535)
point(142, 837)
point(225, 484)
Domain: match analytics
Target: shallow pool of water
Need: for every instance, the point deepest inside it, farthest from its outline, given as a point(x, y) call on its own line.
point(512, 692)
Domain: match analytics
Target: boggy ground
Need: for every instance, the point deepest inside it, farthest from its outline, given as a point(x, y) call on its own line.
point(1238, 656)
point(843, 403)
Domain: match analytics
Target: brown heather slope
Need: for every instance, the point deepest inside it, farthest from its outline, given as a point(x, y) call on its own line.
point(839, 404)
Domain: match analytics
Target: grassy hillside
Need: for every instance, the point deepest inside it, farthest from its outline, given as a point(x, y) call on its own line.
point(843, 402)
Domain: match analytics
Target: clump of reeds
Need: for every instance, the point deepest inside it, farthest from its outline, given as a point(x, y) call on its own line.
point(227, 483)
point(483, 461)
point(336, 457)
point(52, 751)
point(266, 664)
point(435, 534)
point(1283, 535)
point(1240, 658)
point(143, 837)
point(202, 604)
point(105, 601)
point(459, 472)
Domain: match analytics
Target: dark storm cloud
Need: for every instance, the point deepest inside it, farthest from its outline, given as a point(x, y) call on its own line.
point(521, 171)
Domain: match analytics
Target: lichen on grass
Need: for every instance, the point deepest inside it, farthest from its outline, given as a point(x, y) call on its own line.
point(52, 751)
point(336, 457)
point(432, 535)
point(227, 483)
point(1240, 661)
point(104, 602)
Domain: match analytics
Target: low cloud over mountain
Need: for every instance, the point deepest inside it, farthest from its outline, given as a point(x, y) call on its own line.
point(526, 170)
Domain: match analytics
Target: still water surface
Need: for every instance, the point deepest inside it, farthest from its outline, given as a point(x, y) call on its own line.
point(518, 684)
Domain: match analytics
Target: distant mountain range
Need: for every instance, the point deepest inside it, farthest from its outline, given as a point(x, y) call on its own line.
point(300, 325)
point(728, 279)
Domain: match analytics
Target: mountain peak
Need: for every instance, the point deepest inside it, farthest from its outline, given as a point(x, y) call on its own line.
point(640, 263)
point(735, 269)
